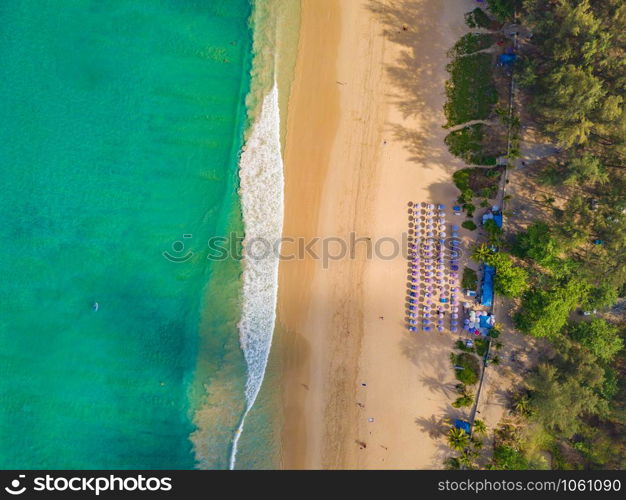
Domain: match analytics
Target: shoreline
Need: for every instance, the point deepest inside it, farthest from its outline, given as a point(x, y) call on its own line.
point(306, 157)
point(364, 137)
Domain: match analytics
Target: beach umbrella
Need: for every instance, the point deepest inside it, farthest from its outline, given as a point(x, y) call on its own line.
point(454, 322)
point(455, 227)
point(455, 234)
point(440, 328)
point(441, 207)
point(412, 322)
point(455, 316)
point(412, 329)
point(453, 329)
point(426, 328)
point(440, 322)
point(430, 206)
point(411, 308)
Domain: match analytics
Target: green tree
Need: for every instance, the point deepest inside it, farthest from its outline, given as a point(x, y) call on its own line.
point(599, 336)
point(522, 405)
point(508, 458)
point(544, 311)
point(537, 243)
point(503, 10)
point(463, 401)
point(458, 439)
point(480, 427)
point(481, 253)
point(601, 297)
point(585, 169)
point(467, 458)
point(565, 391)
point(494, 232)
point(569, 106)
point(452, 463)
point(509, 280)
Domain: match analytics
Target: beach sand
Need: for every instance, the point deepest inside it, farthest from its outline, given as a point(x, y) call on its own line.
point(364, 137)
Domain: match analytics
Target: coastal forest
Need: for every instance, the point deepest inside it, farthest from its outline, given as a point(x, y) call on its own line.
point(562, 269)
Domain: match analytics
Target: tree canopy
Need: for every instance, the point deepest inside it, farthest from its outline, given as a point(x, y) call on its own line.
point(599, 336)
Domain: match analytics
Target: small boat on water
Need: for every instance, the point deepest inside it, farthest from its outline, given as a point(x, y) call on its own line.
point(95, 307)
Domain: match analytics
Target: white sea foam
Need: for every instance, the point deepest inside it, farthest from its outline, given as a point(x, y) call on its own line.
point(261, 192)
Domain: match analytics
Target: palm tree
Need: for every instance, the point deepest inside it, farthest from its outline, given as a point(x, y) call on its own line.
point(458, 439)
point(522, 405)
point(452, 463)
point(481, 253)
point(477, 444)
point(467, 459)
point(480, 427)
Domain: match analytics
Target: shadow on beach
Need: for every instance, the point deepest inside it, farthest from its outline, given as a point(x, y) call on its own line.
point(417, 75)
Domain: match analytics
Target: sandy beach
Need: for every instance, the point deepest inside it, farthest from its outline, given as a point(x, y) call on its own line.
point(364, 137)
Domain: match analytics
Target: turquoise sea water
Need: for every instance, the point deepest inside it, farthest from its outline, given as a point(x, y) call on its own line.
point(120, 127)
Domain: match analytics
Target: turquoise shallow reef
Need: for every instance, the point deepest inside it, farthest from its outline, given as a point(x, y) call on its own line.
point(120, 125)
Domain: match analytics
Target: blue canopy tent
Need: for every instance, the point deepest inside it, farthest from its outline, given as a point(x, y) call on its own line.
point(497, 218)
point(462, 424)
point(484, 322)
point(506, 59)
point(486, 298)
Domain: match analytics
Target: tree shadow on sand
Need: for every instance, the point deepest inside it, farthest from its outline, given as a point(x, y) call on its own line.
point(405, 23)
point(417, 74)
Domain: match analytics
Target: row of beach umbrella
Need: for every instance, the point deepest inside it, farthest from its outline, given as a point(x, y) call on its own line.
point(433, 290)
